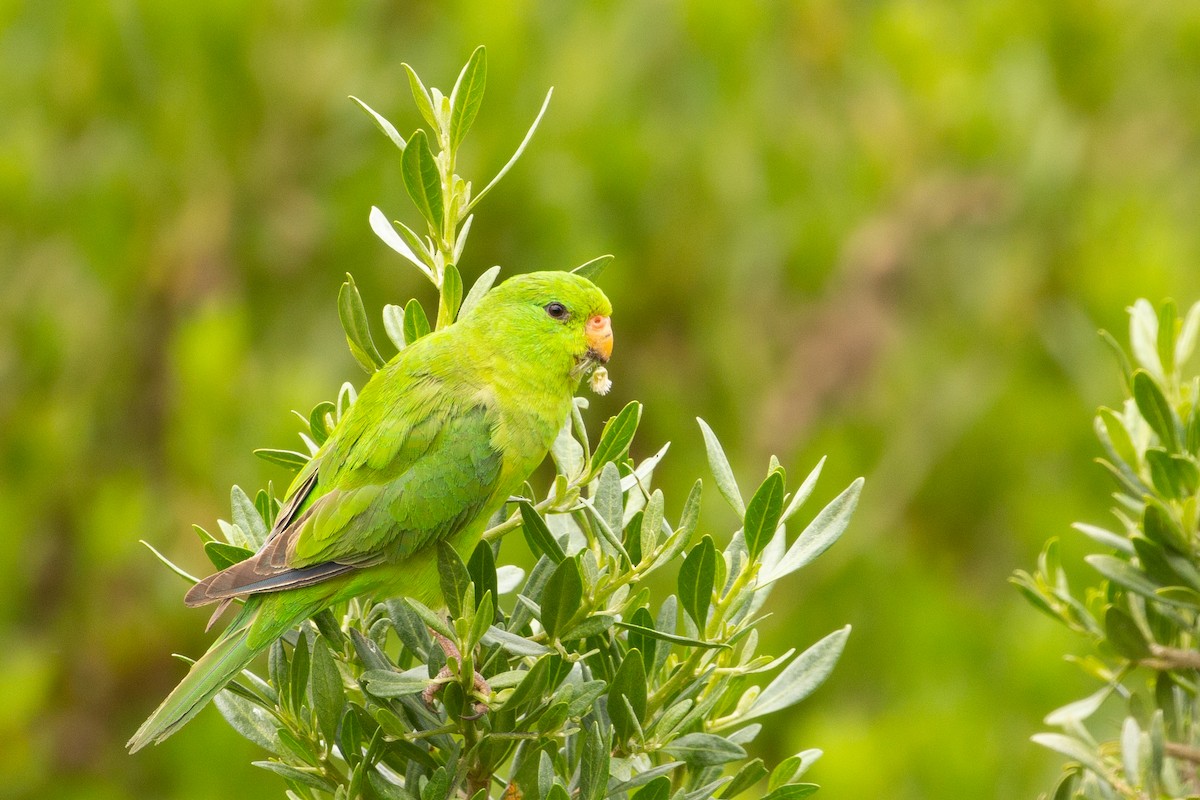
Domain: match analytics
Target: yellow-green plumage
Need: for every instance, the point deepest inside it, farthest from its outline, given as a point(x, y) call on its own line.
point(438, 439)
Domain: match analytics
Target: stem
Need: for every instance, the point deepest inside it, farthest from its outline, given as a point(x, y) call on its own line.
point(691, 665)
point(1167, 658)
point(1183, 752)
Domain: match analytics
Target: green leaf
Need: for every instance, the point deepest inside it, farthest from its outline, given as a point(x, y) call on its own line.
point(792, 768)
point(431, 620)
point(234, 534)
point(1176, 476)
point(421, 96)
point(454, 700)
point(722, 472)
point(388, 129)
point(482, 569)
point(651, 524)
point(664, 636)
point(1192, 432)
point(704, 750)
point(1143, 336)
point(629, 684)
point(350, 736)
point(266, 505)
point(481, 286)
point(511, 642)
point(690, 516)
point(763, 513)
point(802, 677)
point(1068, 786)
point(1072, 749)
point(1128, 576)
point(326, 689)
point(1118, 436)
point(224, 555)
point(450, 297)
point(298, 683)
point(422, 179)
point(1161, 527)
point(170, 564)
point(419, 246)
point(246, 517)
point(438, 787)
point(320, 424)
point(561, 598)
point(251, 721)
point(1154, 562)
point(515, 156)
point(825, 529)
point(416, 324)
point(1122, 360)
point(607, 487)
point(485, 612)
point(640, 621)
point(1124, 635)
point(1080, 710)
point(1158, 413)
point(746, 778)
point(467, 96)
point(1166, 335)
point(410, 628)
point(593, 765)
point(633, 538)
point(659, 788)
point(1104, 537)
point(793, 791)
point(354, 322)
point(804, 492)
point(594, 625)
point(1186, 343)
point(537, 682)
point(1131, 739)
point(617, 434)
point(402, 241)
point(277, 666)
point(453, 578)
point(607, 498)
point(304, 777)
point(393, 324)
point(283, 458)
point(389, 683)
point(296, 750)
point(592, 269)
point(696, 577)
point(537, 533)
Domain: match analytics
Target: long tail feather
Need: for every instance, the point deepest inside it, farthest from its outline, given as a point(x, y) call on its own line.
point(225, 659)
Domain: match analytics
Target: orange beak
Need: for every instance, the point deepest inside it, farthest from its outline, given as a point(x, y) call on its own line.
point(600, 337)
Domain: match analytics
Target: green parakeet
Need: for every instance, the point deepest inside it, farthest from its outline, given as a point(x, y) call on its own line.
point(438, 439)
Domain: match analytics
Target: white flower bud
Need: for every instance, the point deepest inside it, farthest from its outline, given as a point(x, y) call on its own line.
point(601, 383)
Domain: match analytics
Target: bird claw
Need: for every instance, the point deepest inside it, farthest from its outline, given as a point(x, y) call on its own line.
point(480, 683)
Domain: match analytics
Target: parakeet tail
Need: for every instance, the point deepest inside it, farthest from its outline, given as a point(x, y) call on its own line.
point(225, 659)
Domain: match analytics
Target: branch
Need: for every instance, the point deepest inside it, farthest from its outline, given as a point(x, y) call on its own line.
point(1166, 658)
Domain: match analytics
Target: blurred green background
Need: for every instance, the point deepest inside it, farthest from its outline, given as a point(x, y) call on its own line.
point(883, 231)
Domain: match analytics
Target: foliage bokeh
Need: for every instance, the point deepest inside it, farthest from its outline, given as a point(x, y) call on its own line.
point(884, 232)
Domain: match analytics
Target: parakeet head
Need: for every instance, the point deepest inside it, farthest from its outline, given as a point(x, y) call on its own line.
point(557, 319)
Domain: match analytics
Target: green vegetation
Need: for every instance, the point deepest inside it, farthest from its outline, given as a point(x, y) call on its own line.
point(1141, 621)
point(592, 686)
point(883, 232)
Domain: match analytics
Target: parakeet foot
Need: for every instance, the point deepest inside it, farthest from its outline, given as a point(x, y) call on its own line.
point(480, 683)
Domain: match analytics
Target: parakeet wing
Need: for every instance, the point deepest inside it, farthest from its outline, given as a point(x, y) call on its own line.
point(394, 480)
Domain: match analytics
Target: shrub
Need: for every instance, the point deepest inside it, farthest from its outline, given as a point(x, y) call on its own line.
point(597, 686)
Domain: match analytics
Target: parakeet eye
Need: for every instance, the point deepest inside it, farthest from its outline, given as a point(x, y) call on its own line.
point(556, 310)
